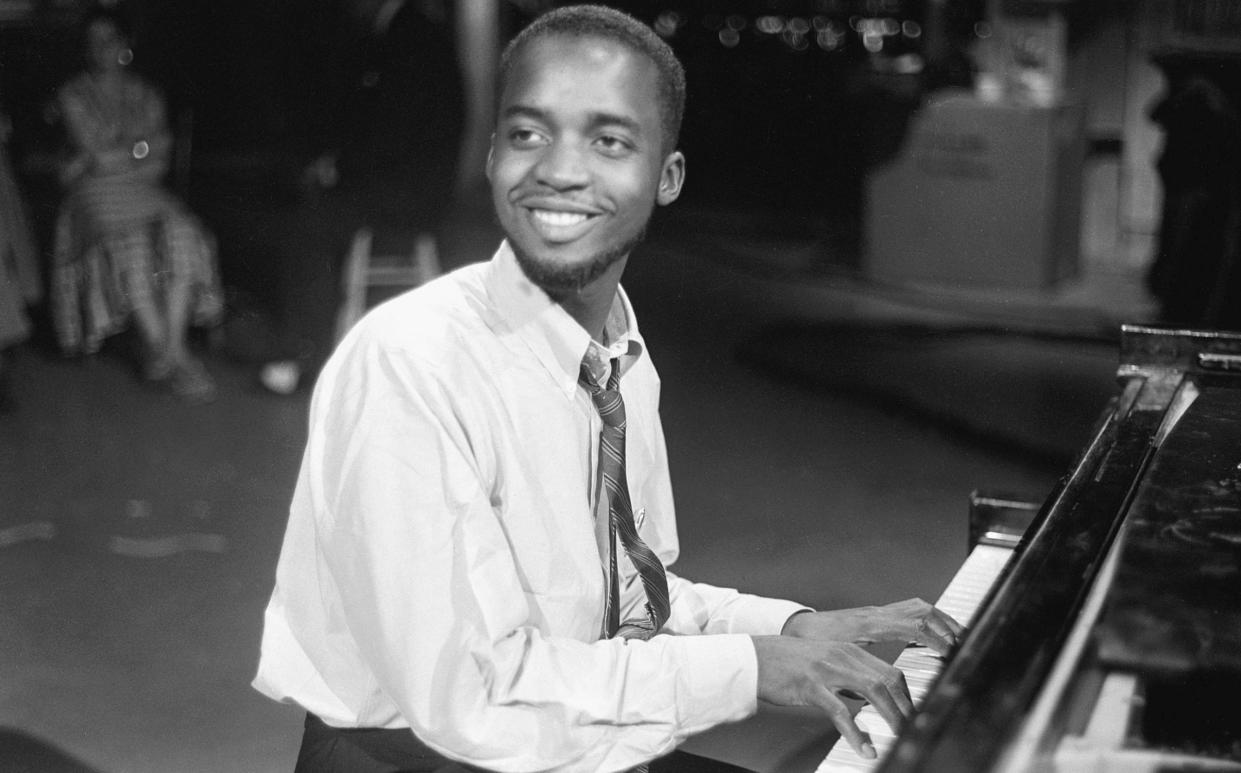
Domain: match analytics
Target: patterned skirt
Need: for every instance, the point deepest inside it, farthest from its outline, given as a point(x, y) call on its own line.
point(118, 247)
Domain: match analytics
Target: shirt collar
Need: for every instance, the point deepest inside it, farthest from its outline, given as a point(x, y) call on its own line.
point(552, 335)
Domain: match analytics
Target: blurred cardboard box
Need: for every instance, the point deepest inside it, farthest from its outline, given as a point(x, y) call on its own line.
point(981, 193)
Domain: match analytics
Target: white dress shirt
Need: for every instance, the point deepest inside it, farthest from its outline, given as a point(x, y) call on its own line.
point(441, 566)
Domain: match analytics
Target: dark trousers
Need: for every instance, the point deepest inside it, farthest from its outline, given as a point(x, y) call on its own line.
point(328, 749)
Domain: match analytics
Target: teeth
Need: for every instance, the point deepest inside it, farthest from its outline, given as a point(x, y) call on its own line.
point(558, 219)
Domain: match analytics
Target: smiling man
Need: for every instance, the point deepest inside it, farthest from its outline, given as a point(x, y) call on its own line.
point(474, 573)
point(580, 157)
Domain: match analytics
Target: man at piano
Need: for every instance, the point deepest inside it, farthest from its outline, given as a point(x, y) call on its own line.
point(474, 572)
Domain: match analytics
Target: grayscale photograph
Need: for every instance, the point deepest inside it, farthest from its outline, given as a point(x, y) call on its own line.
point(652, 386)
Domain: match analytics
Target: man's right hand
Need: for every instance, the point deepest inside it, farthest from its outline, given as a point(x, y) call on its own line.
point(804, 672)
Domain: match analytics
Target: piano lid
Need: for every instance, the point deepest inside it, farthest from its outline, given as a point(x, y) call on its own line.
point(1175, 603)
point(1162, 473)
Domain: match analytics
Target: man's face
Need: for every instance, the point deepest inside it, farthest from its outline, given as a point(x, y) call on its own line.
point(577, 162)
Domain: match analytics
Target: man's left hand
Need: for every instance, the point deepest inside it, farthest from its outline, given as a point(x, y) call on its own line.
point(911, 620)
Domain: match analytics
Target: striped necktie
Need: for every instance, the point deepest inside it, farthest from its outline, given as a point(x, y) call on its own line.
point(620, 516)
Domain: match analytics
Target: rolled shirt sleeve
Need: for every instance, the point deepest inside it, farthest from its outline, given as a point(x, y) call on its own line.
point(701, 608)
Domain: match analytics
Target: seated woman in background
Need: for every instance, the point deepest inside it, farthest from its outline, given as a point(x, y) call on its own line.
point(125, 247)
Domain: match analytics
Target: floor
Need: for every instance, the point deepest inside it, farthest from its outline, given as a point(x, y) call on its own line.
point(862, 418)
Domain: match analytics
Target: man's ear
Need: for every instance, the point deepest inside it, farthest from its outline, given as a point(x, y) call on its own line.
point(671, 178)
point(491, 156)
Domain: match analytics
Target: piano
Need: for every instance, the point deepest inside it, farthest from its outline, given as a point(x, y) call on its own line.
point(1105, 623)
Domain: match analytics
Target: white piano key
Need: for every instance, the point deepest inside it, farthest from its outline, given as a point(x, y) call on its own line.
point(921, 665)
point(874, 726)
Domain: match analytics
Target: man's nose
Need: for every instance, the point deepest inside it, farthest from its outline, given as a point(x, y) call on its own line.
point(563, 166)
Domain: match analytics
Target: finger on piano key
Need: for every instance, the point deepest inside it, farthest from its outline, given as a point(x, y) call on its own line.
point(920, 656)
point(873, 727)
point(921, 665)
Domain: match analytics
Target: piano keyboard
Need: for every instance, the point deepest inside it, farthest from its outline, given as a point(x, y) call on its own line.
point(921, 665)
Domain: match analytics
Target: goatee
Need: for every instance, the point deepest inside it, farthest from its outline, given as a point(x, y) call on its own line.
point(558, 280)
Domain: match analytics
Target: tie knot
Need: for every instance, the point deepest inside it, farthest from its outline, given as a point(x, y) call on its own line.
point(596, 367)
point(607, 400)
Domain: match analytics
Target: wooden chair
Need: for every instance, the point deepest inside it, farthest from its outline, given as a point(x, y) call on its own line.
point(366, 271)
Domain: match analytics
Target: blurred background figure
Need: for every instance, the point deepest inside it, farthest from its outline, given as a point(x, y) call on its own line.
point(380, 126)
point(126, 250)
point(20, 281)
point(1196, 271)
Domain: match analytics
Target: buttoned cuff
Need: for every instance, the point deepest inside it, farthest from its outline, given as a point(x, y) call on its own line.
point(760, 616)
point(719, 680)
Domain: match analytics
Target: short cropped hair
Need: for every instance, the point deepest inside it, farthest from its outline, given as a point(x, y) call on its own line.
point(616, 26)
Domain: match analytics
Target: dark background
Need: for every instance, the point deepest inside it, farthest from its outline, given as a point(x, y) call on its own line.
point(777, 123)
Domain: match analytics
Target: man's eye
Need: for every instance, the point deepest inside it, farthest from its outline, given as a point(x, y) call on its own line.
point(525, 138)
point(613, 145)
